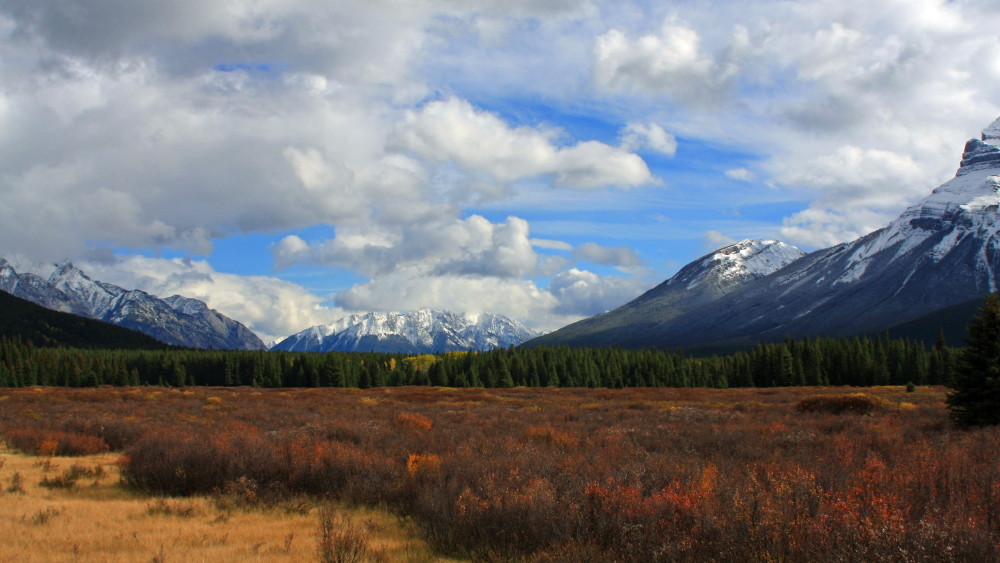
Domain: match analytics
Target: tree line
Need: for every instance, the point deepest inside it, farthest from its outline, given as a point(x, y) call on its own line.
point(861, 361)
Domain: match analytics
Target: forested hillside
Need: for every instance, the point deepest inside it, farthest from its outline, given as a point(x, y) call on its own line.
point(45, 327)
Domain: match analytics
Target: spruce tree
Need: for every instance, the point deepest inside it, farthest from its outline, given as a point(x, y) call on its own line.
point(975, 399)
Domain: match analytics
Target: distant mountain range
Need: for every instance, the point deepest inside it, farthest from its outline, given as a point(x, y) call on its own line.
point(176, 320)
point(418, 332)
point(940, 253)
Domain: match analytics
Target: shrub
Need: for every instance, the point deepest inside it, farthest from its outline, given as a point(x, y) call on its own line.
point(414, 421)
point(342, 542)
point(858, 403)
point(39, 441)
point(423, 464)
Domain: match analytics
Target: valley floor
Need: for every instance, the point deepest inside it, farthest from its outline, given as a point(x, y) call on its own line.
point(96, 519)
point(536, 475)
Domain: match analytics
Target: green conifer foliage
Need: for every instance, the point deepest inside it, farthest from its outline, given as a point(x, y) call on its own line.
point(975, 400)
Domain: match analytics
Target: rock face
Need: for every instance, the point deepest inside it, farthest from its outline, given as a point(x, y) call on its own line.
point(982, 153)
point(418, 332)
point(176, 320)
point(940, 252)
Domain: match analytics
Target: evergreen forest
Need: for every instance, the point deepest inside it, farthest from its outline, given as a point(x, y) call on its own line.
point(861, 361)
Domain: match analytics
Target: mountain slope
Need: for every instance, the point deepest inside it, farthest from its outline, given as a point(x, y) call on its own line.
point(44, 327)
point(176, 320)
point(943, 251)
point(951, 322)
point(705, 280)
point(418, 332)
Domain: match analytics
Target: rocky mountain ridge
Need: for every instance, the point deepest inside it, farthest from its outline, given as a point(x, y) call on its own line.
point(175, 320)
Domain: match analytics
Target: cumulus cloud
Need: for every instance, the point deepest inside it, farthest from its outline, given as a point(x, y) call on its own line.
point(480, 142)
point(669, 61)
point(474, 294)
point(617, 256)
point(636, 135)
point(857, 107)
point(473, 246)
point(857, 191)
point(580, 292)
point(570, 296)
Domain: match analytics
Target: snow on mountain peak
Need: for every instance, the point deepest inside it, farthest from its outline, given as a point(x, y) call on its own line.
point(748, 258)
point(757, 257)
point(991, 134)
point(424, 330)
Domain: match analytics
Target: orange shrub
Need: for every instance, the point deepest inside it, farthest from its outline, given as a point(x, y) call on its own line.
point(414, 421)
point(422, 464)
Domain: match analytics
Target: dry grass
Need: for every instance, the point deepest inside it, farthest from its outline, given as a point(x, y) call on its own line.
point(99, 521)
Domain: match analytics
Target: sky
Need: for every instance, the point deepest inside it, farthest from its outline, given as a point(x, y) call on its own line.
point(293, 161)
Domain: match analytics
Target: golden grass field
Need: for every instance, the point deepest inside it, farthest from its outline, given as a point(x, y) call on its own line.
point(99, 521)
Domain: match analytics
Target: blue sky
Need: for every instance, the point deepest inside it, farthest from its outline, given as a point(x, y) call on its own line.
point(290, 161)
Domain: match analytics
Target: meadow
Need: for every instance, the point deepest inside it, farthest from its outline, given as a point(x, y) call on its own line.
point(522, 474)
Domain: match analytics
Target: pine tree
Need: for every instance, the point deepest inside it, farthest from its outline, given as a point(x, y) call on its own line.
point(975, 400)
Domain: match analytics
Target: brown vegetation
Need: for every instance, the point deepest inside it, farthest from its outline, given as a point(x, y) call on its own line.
point(547, 475)
point(857, 403)
point(88, 517)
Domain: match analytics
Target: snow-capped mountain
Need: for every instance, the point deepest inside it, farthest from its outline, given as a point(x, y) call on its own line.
point(702, 281)
point(175, 320)
point(940, 252)
point(418, 332)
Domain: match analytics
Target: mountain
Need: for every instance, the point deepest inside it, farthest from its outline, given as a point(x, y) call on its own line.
point(44, 327)
point(950, 322)
point(940, 252)
point(702, 281)
point(176, 320)
point(419, 332)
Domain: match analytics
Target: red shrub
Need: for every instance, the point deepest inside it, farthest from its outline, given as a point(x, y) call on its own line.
point(39, 441)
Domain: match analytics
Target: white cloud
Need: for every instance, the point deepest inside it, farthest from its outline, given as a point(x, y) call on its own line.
point(580, 292)
point(473, 246)
point(671, 61)
point(857, 191)
point(636, 135)
point(453, 131)
point(550, 244)
point(860, 108)
point(617, 256)
point(714, 240)
point(741, 174)
point(572, 295)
